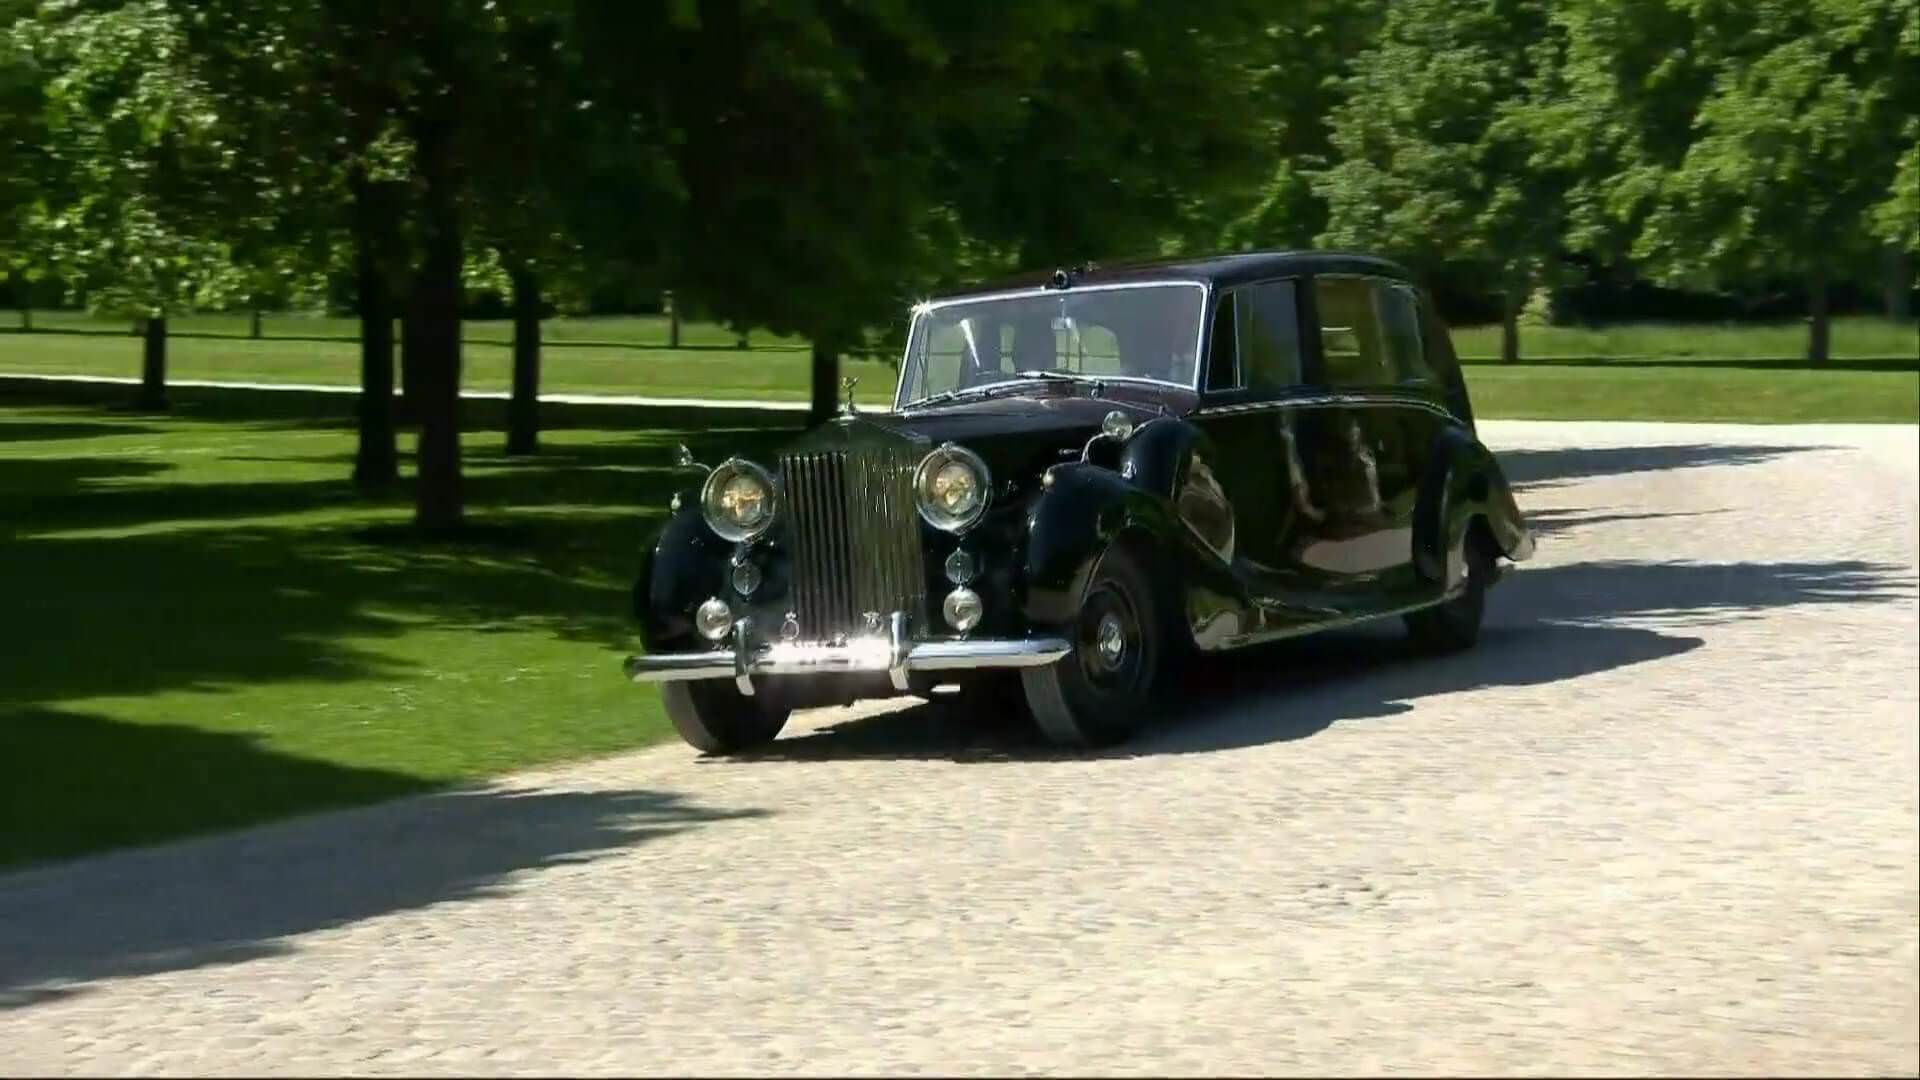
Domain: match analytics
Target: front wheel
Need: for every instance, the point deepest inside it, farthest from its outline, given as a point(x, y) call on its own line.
point(715, 718)
point(1099, 693)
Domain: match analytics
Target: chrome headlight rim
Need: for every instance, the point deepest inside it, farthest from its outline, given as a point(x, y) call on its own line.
point(937, 459)
point(717, 480)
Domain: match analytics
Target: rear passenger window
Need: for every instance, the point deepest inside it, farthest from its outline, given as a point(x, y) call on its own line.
point(1399, 309)
point(1370, 332)
point(1269, 334)
point(1351, 339)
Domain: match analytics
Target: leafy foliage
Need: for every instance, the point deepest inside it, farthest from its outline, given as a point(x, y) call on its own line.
point(135, 205)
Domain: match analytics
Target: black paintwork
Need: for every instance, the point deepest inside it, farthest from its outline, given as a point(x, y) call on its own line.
point(1265, 514)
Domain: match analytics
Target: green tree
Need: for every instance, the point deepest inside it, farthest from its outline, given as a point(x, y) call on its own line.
point(133, 189)
point(833, 161)
point(1438, 158)
point(1728, 145)
point(22, 135)
point(1305, 55)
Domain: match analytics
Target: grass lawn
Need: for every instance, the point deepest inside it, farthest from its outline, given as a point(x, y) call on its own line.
point(1857, 336)
point(1685, 389)
point(755, 375)
point(203, 633)
point(1693, 392)
point(611, 330)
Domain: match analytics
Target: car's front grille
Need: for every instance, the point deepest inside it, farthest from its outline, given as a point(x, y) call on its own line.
point(856, 538)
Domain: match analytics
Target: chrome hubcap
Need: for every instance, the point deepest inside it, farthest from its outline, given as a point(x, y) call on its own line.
point(1111, 639)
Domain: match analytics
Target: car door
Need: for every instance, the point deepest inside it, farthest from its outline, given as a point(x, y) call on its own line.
point(1367, 358)
point(1253, 370)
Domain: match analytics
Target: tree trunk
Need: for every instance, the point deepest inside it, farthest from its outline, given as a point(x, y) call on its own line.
point(826, 384)
point(1818, 324)
point(673, 323)
point(26, 315)
point(376, 464)
point(253, 328)
point(523, 409)
point(1898, 283)
point(438, 499)
point(153, 367)
point(740, 342)
point(1509, 327)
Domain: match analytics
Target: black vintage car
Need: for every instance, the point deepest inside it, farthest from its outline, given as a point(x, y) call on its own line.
point(1085, 477)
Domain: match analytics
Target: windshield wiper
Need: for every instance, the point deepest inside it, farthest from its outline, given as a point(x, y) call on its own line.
point(1011, 381)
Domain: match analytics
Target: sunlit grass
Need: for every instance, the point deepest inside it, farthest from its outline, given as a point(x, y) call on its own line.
point(1860, 336)
point(1693, 393)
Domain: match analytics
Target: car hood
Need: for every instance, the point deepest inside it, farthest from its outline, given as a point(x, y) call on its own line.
point(1016, 435)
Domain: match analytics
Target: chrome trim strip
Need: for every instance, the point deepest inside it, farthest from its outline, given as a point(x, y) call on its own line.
point(1320, 401)
point(1261, 637)
point(1044, 290)
point(960, 655)
point(871, 654)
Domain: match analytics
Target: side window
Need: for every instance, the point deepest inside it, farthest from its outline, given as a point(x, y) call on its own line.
point(1269, 334)
point(1223, 359)
point(1351, 344)
point(1399, 309)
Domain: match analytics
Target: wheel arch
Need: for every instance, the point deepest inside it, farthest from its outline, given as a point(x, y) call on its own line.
point(1464, 488)
point(1083, 512)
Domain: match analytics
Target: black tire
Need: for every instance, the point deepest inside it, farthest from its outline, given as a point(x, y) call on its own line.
point(1455, 625)
point(1100, 693)
point(715, 718)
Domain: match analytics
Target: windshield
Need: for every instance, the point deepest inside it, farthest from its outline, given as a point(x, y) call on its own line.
point(1147, 332)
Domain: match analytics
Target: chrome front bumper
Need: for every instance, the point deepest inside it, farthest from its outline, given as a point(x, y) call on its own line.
point(892, 653)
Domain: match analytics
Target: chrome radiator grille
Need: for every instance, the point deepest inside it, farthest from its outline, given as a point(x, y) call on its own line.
point(856, 537)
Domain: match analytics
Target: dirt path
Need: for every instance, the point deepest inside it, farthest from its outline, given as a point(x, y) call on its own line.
point(1663, 820)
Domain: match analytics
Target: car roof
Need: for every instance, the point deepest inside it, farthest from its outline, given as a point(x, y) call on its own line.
point(1217, 270)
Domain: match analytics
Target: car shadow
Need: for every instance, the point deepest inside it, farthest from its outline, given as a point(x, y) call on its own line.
point(240, 896)
point(1547, 625)
point(1553, 467)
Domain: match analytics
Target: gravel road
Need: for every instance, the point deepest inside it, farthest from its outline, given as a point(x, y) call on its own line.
point(1662, 820)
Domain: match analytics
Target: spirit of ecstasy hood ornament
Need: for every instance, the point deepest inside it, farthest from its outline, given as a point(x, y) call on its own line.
point(847, 383)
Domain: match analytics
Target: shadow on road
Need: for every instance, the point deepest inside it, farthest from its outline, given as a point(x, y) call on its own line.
point(237, 897)
point(1547, 625)
point(1553, 467)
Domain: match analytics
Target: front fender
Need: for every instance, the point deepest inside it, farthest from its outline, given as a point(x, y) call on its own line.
point(1464, 481)
point(1080, 511)
point(686, 564)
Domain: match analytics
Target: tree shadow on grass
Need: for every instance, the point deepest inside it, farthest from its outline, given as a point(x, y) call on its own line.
point(1546, 626)
point(50, 431)
point(33, 489)
point(636, 476)
point(240, 896)
point(206, 609)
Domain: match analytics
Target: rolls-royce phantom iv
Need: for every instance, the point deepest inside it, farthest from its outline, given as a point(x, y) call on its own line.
point(1083, 479)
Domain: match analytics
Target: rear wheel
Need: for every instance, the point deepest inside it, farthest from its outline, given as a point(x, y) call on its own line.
point(1455, 624)
point(1099, 693)
point(716, 718)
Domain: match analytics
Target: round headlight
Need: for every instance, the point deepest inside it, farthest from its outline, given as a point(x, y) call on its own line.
point(952, 488)
point(738, 500)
